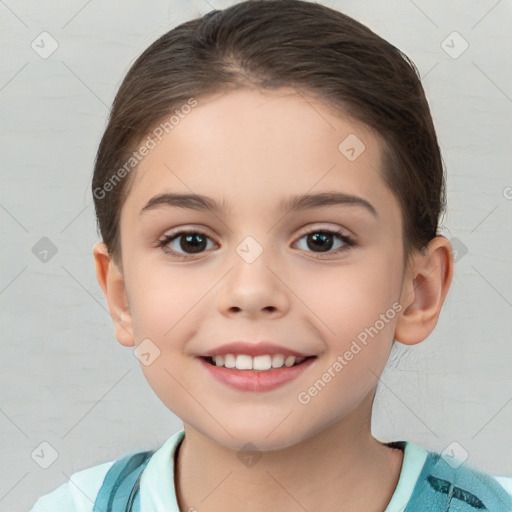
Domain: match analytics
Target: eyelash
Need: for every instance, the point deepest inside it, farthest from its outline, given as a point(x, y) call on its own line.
point(163, 242)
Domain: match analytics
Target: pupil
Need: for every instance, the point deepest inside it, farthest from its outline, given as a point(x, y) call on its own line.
point(189, 239)
point(321, 241)
point(320, 237)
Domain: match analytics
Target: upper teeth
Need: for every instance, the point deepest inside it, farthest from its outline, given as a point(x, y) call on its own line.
point(265, 362)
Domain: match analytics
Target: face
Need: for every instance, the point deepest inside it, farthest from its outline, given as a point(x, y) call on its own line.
point(323, 280)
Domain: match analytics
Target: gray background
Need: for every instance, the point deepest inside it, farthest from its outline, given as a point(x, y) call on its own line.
point(64, 378)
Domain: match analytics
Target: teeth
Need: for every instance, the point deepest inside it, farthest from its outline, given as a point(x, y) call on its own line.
point(243, 362)
point(260, 363)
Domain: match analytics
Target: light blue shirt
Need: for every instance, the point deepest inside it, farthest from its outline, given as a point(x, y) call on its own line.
point(157, 493)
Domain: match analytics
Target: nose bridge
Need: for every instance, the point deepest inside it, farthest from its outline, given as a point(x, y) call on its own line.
point(250, 249)
point(253, 257)
point(252, 284)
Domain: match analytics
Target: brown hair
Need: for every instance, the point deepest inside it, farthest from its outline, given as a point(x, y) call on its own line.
point(280, 43)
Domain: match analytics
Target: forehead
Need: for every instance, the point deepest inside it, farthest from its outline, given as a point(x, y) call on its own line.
point(253, 147)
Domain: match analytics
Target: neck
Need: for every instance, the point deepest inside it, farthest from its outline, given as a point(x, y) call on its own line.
point(340, 468)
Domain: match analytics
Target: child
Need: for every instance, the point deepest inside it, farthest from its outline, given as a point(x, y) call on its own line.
point(237, 145)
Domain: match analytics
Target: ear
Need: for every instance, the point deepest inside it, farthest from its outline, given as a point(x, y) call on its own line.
point(426, 283)
point(111, 281)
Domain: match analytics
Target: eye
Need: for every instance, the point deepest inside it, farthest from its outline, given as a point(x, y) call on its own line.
point(322, 240)
point(191, 241)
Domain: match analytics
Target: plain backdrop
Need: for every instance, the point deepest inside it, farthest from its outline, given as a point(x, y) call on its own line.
point(64, 378)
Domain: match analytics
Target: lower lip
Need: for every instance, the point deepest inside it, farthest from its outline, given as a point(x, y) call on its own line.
point(256, 380)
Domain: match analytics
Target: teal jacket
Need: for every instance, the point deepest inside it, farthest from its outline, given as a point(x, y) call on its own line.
point(439, 488)
point(428, 482)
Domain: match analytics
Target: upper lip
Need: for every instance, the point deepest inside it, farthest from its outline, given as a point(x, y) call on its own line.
point(252, 349)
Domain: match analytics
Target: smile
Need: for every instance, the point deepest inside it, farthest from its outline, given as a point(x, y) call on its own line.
point(260, 363)
point(256, 374)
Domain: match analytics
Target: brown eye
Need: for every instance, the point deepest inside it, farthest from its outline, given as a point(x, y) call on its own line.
point(319, 242)
point(184, 242)
point(322, 241)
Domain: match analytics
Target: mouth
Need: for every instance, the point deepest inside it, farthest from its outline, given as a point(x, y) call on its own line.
point(264, 363)
point(259, 374)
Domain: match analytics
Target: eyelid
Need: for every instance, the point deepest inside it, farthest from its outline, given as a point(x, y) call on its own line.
point(163, 241)
point(303, 231)
point(315, 227)
point(196, 228)
point(349, 240)
point(344, 232)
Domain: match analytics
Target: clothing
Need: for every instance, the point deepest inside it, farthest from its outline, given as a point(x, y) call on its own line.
point(427, 483)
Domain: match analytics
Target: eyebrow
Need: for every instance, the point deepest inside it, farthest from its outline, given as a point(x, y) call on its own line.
point(295, 203)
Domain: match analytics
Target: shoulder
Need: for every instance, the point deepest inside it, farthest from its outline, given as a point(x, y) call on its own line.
point(93, 485)
point(447, 482)
point(505, 482)
point(76, 495)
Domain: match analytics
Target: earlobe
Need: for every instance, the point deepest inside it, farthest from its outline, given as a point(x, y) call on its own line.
point(111, 281)
point(424, 290)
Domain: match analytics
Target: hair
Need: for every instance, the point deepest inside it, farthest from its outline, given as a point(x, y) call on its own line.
point(269, 44)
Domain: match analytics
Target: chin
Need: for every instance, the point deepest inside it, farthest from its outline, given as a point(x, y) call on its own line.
point(257, 437)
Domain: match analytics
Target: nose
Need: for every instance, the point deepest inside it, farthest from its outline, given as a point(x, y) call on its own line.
point(254, 289)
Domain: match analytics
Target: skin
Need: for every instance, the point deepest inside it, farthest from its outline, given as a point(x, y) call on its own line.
point(253, 149)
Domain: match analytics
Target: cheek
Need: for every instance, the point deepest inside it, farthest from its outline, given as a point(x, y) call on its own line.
point(162, 310)
point(348, 298)
point(164, 301)
point(356, 318)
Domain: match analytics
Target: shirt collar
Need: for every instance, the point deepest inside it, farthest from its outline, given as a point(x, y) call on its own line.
point(412, 464)
point(157, 492)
